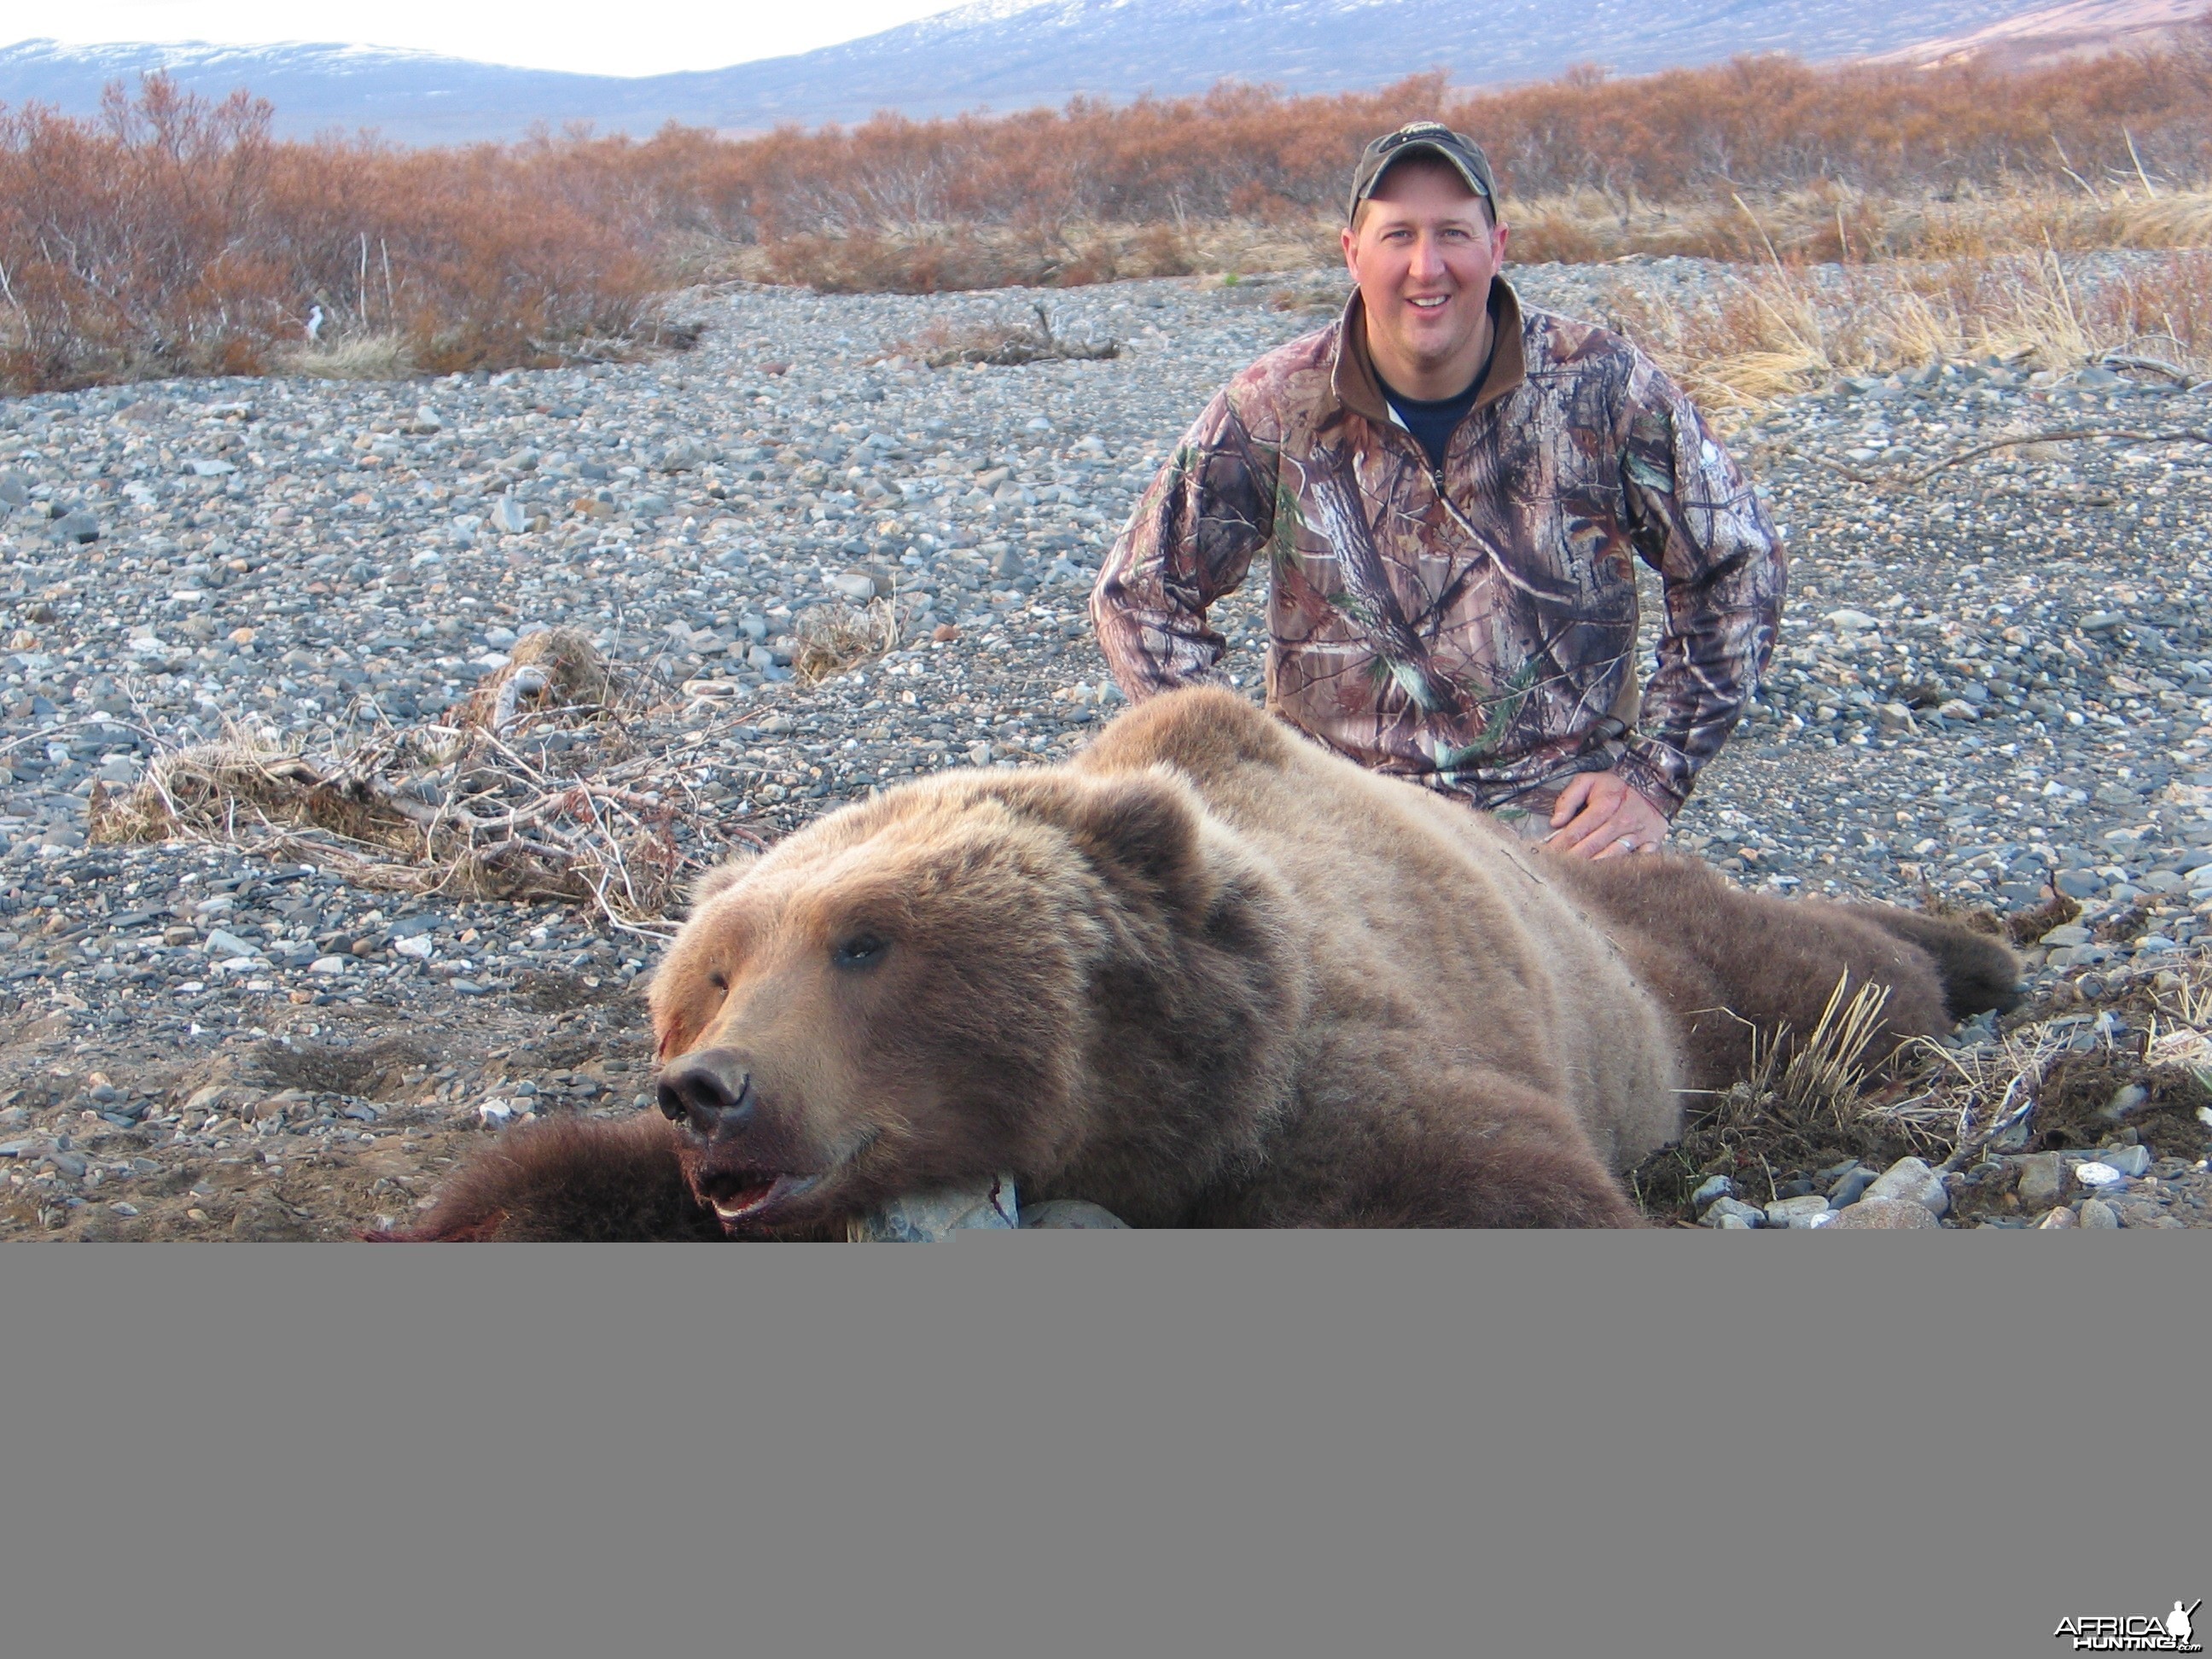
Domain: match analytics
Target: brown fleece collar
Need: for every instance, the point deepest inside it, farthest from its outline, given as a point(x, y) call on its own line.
point(1352, 376)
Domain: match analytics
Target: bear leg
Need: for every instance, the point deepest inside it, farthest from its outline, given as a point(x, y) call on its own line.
point(1438, 1148)
point(1774, 962)
point(1979, 973)
point(570, 1178)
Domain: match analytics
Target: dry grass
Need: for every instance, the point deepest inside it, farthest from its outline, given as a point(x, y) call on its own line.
point(368, 357)
point(1780, 328)
point(457, 808)
point(943, 342)
point(831, 640)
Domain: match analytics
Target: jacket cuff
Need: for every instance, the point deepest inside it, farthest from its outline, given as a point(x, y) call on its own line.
point(1651, 768)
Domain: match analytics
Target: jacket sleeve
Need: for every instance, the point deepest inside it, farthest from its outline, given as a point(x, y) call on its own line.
point(1189, 542)
point(1695, 520)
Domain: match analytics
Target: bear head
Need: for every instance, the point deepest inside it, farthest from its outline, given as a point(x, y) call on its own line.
point(959, 978)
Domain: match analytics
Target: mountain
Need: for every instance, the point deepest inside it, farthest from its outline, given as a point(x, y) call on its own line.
point(2074, 28)
point(1009, 54)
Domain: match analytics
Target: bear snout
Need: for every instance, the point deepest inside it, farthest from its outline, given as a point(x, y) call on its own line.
point(711, 1092)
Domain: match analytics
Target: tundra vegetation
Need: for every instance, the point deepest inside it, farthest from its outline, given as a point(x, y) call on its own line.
point(172, 235)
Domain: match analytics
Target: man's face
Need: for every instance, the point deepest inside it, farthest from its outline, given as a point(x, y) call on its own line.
point(1423, 256)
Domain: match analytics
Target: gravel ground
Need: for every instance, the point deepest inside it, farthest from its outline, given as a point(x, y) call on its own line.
point(1990, 684)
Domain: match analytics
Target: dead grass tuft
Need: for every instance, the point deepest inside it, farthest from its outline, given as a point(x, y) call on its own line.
point(942, 343)
point(833, 638)
point(446, 809)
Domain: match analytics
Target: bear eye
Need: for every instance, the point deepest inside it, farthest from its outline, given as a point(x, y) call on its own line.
point(720, 983)
point(859, 951)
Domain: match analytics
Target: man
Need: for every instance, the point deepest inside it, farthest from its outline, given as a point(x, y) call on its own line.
point(1449, 493)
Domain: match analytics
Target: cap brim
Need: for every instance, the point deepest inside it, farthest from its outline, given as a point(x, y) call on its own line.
point(1422, 147)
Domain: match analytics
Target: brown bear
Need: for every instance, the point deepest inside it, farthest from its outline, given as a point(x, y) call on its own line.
point(1207, 974)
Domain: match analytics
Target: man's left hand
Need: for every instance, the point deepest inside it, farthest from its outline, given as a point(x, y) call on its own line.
point(1597, 816)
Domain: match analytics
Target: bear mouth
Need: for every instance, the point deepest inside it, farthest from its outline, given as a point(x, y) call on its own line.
point(746, 1194)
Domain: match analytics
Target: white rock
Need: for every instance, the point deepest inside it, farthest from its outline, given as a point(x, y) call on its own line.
point(1854, 621)
point(1910, 1179)
point(327, 965)
point(2096, 1174)
point(419, 946)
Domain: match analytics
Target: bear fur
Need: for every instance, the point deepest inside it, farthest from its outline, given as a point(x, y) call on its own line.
point(1207, 974)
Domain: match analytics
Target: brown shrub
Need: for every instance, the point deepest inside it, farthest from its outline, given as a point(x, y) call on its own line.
point(171, 234)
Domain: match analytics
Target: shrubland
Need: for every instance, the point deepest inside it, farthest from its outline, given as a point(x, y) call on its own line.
point(170, 234)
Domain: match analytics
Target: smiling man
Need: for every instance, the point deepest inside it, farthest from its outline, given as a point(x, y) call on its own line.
point(1451, 492)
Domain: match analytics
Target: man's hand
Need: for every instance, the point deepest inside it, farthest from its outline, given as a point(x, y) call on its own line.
point(1599, 817)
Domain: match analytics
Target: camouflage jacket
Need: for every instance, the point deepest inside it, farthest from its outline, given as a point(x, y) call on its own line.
point(1471, 630)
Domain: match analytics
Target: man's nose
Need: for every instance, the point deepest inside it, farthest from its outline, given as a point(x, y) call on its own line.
point(711, 1091)
point(1427, 264)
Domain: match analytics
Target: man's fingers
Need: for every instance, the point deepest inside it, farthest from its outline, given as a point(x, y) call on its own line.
point(1586, 832)
point(1571, 797)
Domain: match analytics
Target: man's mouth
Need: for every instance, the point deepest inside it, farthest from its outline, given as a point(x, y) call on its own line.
point(1429, 301)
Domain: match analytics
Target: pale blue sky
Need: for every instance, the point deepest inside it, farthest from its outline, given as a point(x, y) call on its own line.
point(611, 37)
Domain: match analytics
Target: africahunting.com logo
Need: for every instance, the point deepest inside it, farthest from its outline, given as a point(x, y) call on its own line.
point(2133, 1632)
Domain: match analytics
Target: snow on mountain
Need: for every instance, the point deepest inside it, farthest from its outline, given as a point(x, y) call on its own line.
point(1009, 54)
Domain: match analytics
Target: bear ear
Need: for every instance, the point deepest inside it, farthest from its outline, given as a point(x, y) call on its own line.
point(723, 876)
point(1142, 829)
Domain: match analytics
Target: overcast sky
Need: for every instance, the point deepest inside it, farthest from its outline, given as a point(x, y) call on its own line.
point(611, 37)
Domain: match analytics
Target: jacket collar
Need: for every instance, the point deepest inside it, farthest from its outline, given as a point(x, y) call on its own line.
point(1352, 376)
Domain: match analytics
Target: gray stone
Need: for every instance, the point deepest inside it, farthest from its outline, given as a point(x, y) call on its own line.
point(2042, 1180)
point(925, 1217)
point(1073, 1214)
point(2098, 1216)
point(223, 946)
point(79, 526)
point(507, 516)
point(2057, 1221)
point(1809, 1211)
point(1911, 1178)
point(1723, 1211)
point(2130, 1097)
point(1711, 1188)
point(2133, 1162)
point(1851, 1187)
point(2080, 883)
point(1885, 1215)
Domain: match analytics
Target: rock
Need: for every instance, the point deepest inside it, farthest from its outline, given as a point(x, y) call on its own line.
point(1711, 1188)
point(2098, 1216)
point(223, 946)
point(1850, 1186)
point(1885, 1215)
point(332, 964)
point(507, 516)
point(1851, 621)
point(1809, 1211)
point(1072, 1213)
point(2042, 1180)
point(79, 527)
point(1910, 1178)
point(1724, 1210)
point(2057, 1221)
point(925, 1217)
point(853, 586)
point(418, 946)
point(2097, 1173)
point(2131, 1163)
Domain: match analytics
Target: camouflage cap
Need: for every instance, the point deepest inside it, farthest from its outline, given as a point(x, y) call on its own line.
point(1422, 138)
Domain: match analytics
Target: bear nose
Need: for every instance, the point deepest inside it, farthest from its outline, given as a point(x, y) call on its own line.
point(711, 1091)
